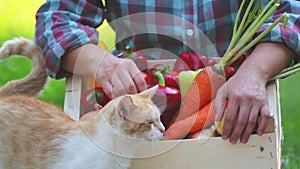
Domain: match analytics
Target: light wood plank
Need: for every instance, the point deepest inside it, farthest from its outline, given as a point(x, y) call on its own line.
point(72, 96)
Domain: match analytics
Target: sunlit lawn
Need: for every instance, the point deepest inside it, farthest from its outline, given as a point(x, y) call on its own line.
point(18, 20)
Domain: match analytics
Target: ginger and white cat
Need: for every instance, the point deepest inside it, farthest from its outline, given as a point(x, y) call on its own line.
point(39, 135)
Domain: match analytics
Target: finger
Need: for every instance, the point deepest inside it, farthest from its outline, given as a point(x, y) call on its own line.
point(140, 82)
point(220, 104)
point(252, 120)
point(107, 87)
point(117, 87)
point(230, 118)
point(264, 115)
point(240, 124)
point(128, 83)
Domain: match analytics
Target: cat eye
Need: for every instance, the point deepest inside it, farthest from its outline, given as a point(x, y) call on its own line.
point(149, 121)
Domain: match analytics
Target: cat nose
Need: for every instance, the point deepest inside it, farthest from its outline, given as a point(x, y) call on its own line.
point(160, 127)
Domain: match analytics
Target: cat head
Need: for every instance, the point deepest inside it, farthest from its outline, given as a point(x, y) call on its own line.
point(137, 116)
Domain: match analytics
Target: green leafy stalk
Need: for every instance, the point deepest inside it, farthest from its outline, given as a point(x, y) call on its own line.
point(258, 18)
point(252, 20)
point(261, 13)
point(252, 15)
point(235, 27)
point(255, 26)
point(259, 21)
point(259, 37)
point(287, 72)
point(238, 17)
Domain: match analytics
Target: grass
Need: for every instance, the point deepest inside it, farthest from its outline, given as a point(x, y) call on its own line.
point(17, 67)
point(290, 110)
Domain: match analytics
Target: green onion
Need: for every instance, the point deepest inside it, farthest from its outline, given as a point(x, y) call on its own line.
point(244, 30)
point(287, 72)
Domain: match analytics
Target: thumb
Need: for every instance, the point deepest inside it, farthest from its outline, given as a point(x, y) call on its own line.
point(220, 102)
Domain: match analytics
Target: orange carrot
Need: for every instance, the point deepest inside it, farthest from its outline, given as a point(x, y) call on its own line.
point(201, 92)
point(194, 135)
point(195, 122)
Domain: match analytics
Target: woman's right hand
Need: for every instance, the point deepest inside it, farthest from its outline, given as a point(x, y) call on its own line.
point(117, 76)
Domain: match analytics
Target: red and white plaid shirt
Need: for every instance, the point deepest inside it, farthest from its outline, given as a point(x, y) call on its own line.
point(162, 29)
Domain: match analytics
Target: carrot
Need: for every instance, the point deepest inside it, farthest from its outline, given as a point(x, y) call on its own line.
point(195, 122)
point(194, 135)
point(202, 134)
point(201, 92)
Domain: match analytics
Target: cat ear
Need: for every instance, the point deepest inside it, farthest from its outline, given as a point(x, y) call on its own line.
point(150, 92)
point(124, 106)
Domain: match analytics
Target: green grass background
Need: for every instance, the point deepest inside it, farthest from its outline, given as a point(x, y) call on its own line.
point(18, 19)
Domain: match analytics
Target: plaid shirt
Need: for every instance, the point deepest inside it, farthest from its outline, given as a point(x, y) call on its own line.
point(161, 29)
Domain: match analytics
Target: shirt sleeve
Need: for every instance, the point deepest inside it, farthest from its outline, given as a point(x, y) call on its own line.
point(289, 36)
point(63, 25)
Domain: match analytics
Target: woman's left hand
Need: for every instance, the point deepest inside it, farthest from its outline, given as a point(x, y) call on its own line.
point(246, 91)
point(247, 99)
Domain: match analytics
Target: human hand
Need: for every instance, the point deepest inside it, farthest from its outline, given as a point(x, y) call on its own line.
point(246, 91)
point(116, 76)
point(247, 99)
point(119, 76)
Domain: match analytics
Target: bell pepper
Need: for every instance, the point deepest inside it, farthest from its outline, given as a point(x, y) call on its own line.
point(167, 98)
point(144, 74)
point(93, 96)
point(192, 61)
point(236, 64)
point(185, 80)
point(150, 78)
point(138, 58)
point(229, 71)
point(170, 76)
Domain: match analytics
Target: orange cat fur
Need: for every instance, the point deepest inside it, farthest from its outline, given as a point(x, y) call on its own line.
point(39, 135)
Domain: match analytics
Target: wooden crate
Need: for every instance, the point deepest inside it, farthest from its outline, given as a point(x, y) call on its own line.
point(207, 152)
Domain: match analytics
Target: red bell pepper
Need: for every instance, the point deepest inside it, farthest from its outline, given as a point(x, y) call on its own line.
point(150, 78)
point(229, 71)
point(170, 76)
point(144, 74)
point(239, 61)
point(192, 61)
point(138, 58)
point(93, 96)
point(167, 98)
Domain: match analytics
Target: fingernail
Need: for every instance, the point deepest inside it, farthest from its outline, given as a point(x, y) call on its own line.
point(224, 137)
point(259, 133)
point(243, 140)
point(233, 141)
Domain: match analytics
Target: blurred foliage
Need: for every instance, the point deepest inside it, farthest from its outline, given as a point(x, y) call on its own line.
point(290, 112)
point(19, 20)
point(16, 21)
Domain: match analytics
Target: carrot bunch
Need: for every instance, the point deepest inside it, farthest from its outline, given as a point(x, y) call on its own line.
point(196, 110)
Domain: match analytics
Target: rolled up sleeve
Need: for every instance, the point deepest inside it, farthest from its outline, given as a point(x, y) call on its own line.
point(63, 25)
point(289, 36)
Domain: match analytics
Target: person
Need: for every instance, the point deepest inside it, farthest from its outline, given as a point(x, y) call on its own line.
point(66, 32)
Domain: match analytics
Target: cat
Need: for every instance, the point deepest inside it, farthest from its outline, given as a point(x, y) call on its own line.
point(37, 134)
